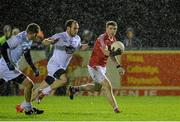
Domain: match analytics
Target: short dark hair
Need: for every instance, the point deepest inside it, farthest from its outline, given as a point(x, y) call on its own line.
point(113, 23)
point(69, 23)
point(33, 28)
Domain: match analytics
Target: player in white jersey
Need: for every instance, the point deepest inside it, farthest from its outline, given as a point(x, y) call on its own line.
point(12, 51)
point(65, 44)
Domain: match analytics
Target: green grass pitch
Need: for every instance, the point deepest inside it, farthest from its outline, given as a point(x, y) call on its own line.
point(97, 108)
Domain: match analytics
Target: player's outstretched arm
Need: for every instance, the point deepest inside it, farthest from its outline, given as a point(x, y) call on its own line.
point(28, 58)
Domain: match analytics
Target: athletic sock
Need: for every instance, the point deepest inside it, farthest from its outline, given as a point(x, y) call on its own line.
point(46, 90)
point(26, 105)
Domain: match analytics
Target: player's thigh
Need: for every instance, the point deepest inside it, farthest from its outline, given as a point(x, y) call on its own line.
point(52, 68)
point(106, 83)
point(98, 75)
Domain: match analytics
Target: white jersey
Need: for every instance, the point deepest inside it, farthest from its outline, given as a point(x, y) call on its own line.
point(61, 57)
point(17, 46)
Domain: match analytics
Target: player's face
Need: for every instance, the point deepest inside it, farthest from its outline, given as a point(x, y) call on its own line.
point(32, 36)
point(111, 30)
point(130, 35)
point(73, 30)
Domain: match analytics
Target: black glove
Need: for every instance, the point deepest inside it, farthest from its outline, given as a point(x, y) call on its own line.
point(69, 49)
point(90, 44)
point(115, 53)
point(36, 72)
point(10, 66)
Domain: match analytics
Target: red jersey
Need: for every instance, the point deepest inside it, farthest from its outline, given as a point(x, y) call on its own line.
point(97, 57)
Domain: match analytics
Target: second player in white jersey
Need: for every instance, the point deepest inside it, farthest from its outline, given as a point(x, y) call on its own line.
point(66, 44)
point(64, 47)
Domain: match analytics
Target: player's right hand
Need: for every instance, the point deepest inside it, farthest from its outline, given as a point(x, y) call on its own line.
point(36, 71)
point(47, 41)
point(10, 66)
point(115, 53)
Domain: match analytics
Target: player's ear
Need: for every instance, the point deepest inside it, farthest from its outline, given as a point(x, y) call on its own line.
point(68, 28)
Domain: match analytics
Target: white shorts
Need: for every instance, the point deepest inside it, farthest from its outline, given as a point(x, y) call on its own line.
point(52, 68)
point(98, 74)
point(7, 74)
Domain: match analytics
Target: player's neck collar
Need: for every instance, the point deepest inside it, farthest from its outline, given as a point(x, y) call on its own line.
point(25, 33)
point(67, 34)
point(107, 37)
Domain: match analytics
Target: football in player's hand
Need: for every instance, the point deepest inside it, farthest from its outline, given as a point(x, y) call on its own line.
point(117, 45)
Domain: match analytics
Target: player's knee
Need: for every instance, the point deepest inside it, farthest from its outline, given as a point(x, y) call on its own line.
point(49, 80)
point(58, 74)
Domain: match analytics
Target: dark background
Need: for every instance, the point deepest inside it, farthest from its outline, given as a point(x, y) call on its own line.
point(156, 22)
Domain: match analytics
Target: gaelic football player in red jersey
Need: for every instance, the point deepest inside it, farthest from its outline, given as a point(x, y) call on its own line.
point(97, 66)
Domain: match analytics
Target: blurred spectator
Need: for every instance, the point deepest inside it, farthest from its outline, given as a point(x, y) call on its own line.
point(87, 38)
point(15, 31)
point(7, 31)
point(130, 40)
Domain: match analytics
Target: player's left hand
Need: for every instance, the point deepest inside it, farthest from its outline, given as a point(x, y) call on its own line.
point(115, 53)
point(121, 70)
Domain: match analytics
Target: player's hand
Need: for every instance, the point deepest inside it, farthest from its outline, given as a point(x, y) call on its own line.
point(47, 41)
point(115, 53)
point(121, 70)
point(36, 72)
point(10, 66)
